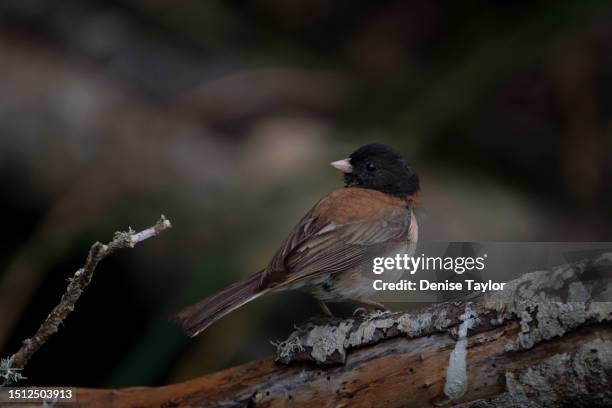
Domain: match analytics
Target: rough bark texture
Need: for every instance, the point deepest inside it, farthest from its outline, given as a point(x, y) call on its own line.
point(545, 341)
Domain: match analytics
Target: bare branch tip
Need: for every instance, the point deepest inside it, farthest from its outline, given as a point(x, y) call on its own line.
point(163, 223)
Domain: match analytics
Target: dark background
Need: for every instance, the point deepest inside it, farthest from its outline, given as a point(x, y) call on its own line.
point(224, 116)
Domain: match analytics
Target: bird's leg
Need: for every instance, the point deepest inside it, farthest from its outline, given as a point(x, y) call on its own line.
point(325, 309)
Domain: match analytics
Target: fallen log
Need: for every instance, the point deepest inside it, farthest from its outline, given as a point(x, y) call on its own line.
point(546, 340)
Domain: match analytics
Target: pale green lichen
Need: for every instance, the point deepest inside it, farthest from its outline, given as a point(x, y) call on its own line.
point(123, 235)
point(376, 314)
point(8, 373)
point(365, 331)
point(326, 340)
point(415, 325)
point(287, 348)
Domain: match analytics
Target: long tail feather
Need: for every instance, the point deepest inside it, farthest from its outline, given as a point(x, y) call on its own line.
point(197, 317)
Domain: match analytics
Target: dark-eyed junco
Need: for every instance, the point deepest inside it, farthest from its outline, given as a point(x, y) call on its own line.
point(330, 251)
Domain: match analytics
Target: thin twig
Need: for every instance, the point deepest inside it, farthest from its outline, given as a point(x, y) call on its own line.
point(75, 288)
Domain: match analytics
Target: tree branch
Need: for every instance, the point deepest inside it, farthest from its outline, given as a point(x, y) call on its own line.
point(76, 286)
point(545, 340)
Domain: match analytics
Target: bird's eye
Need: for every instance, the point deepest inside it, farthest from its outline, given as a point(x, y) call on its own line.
point(370, 166)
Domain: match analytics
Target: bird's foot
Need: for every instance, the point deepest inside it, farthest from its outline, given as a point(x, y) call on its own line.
point(372, 304)
point(370, 309)
point(360, 311)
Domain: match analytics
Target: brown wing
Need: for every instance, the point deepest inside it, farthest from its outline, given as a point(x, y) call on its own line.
point(343, 230)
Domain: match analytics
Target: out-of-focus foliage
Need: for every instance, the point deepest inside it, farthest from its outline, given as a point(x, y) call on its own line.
point(224, 115)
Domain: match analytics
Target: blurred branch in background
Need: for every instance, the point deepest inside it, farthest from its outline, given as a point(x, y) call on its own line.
point(76, 286)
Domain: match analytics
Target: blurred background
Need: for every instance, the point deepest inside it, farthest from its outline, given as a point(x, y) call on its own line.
point(224, 115)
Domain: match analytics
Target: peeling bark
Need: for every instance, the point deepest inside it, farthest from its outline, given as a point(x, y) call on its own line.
point(545, 341)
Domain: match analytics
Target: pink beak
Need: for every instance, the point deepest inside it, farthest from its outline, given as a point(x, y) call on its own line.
point(343, 165)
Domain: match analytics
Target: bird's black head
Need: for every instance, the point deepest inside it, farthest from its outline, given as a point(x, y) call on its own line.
point(381, 168)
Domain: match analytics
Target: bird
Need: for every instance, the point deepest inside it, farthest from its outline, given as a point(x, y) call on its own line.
point(329, 253)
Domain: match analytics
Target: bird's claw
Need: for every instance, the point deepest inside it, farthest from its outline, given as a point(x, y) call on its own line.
point(360, 311)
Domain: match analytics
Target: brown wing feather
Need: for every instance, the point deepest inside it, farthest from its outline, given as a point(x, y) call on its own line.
point(343, 230)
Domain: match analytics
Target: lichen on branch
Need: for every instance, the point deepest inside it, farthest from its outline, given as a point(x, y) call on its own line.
point(547, 304)
point(10, 367)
